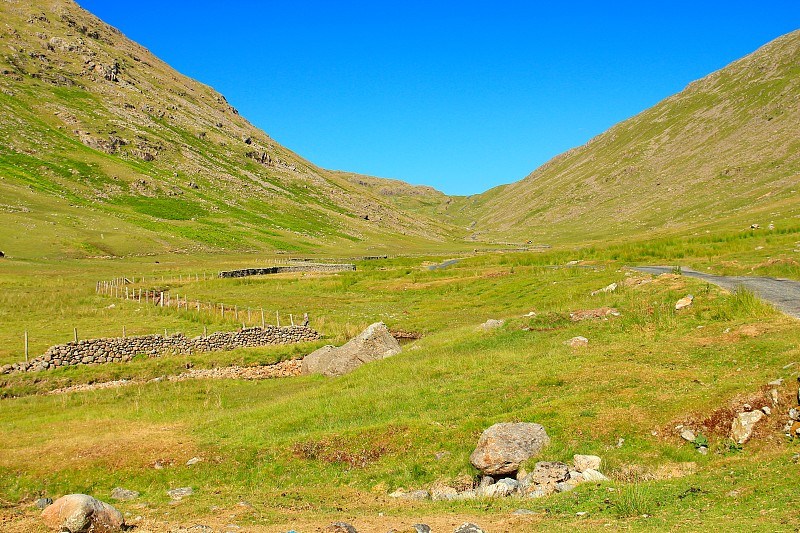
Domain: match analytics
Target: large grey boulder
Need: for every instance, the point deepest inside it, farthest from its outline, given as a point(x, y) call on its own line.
point(504, 446)
point(81, 513)
point(372, 344)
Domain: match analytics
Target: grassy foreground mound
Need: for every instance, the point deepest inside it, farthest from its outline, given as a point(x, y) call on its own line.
point(302, 452)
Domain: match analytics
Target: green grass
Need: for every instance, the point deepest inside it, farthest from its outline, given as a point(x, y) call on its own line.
point(321, 441)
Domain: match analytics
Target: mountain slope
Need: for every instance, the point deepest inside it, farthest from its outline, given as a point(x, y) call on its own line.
point(725, 148)
point(106, 150)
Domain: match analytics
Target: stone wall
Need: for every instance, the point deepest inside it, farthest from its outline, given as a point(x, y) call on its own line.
point(244, 272)
point(120, 349)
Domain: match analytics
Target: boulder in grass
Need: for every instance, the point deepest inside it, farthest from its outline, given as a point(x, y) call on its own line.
point(81, 513)
point(468, 527)
point(503, 447)
point(372, 344)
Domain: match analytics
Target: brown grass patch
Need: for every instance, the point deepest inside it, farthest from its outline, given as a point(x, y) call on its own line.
point(99, 443)
point(356, 451)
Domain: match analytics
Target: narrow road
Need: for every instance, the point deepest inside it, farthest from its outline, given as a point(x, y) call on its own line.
point(782, 293)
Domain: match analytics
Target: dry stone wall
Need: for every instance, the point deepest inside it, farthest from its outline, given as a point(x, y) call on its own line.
point(120, 349)
point(244, 272)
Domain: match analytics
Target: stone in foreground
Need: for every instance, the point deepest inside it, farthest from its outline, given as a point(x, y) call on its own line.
point(583, 462)
point(340, 527)
point(468, 528)
point(743, 424)
point(81, 513)
point(504, 446)
point(372, 344)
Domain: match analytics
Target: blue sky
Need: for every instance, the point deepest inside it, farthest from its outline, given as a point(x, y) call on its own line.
point(462, 95)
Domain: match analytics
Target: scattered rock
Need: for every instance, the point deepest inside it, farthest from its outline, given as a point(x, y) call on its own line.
point(81, 513)
point(593, 475)
point(468, 527)
point(766, 410)
point(121, 494)
point(776, 382)
point(609, 288)
point(492, 324)
point(504, 487)
point(177, 494)
point(688, 435)
point(443, 493)
point(794, 413)
point(193, 461)
point(563, 486)
point(372, 344)
point(537, 493)
point(584, 462)
point(504, 446)
point(684, 302)
point(743, 423)
point(41, 503)
point(340, 527)
point(416, 528)
point(523, 512)
point(548, 473)
point(577, 342)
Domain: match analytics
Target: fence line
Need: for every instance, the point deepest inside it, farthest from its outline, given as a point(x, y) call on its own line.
point(159, 298)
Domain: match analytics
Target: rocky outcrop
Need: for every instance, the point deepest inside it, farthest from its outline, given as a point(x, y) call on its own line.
point(503, 447)
point(372, 344)
point(80, 513)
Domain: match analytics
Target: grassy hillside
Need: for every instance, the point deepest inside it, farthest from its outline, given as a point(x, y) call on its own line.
point(721, 154)
point(106, 150)
point(306, 451)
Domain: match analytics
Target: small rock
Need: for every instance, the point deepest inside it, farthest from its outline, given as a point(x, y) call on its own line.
point(193, 461)
point(593, 475)
point(742, 427)
point(523, 512)
point(492, 324)
point(773, 395)
point(340, 527)
point(441, 455)
point(581, 513)
point(620, 442)
point(443, 493)
point(582, 462)
point(702, 450)
point(548, 473)
point(609, 288)
point(776, 382)
point(121, 494)
point(575, 477)
point(688, 435)
point(684, 302)
point(766, 410)
point(577, 342)
point(468, 527)
point(565, 487)
point(41, 503)
point(794, 413)
point(177, 494)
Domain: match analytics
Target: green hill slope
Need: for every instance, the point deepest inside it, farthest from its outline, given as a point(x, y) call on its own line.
point(726, 150)
point(106, 150)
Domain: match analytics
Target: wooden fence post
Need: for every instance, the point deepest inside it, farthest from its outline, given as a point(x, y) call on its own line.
point(277, 318)
point(291, 318)
point(262, 318)
point(75, 334)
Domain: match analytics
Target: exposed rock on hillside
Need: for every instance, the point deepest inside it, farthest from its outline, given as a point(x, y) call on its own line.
point(372, 344)
point(503, 447)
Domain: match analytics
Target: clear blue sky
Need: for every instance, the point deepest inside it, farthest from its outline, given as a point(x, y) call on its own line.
point(461, 95)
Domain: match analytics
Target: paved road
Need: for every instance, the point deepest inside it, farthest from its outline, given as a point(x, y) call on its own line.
point(782, 293)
